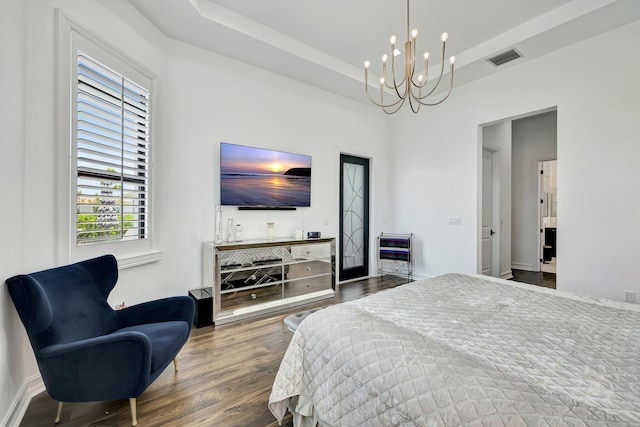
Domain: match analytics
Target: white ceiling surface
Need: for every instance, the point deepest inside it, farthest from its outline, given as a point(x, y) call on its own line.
point(324, 43)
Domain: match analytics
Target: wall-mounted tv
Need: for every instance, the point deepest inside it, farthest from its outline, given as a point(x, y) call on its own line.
point(260, 178)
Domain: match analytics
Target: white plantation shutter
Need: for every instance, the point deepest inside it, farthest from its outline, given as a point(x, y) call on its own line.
point(112, 155)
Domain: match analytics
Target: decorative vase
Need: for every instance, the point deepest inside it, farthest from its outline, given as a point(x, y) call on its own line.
point(270, 231)
point(218, 224)
point(230, 231)
point(239, 233)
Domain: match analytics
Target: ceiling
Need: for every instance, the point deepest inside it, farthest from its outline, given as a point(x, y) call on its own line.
point(324, 43)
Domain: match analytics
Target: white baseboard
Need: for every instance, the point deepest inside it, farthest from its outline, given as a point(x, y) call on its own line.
point(32, 387)
point(506, 275)
point(522, 266)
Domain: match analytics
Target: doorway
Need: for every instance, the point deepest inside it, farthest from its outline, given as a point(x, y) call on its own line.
point(354, 217)
point(518, 145)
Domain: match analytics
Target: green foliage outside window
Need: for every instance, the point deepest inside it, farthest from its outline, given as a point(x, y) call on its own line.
point(89, 228)
point(106, 222)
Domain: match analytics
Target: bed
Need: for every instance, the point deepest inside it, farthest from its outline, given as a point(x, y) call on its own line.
point(464, 350)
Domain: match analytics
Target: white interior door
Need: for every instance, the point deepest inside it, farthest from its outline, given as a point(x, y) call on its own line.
point(487, 213)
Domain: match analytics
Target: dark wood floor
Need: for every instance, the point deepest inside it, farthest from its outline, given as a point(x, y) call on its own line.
point(224, 378)
point(548, 280)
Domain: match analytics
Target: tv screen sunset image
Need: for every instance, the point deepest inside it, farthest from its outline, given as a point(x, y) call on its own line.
point(251, 176)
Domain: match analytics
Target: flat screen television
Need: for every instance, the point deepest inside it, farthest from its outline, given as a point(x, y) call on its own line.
point(254, 177)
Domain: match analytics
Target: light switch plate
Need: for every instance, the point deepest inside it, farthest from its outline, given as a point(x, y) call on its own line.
point(455, 220)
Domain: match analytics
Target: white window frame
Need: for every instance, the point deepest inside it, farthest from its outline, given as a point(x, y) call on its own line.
point(73, 37)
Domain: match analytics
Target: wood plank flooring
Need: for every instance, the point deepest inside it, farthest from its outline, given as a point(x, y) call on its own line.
point(224, 378)
point(539, 278)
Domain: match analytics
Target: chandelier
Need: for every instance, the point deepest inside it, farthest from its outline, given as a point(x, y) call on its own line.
point(409, 85)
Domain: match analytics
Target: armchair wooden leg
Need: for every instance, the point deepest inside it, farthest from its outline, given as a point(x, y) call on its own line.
point(175, 363)
point(59, 412)
point(134, 418)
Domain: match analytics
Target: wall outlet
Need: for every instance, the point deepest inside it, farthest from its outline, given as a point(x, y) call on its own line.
point(629, 296)
point(455, 220)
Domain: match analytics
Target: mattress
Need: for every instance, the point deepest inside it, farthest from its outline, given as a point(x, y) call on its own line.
point(464, 350)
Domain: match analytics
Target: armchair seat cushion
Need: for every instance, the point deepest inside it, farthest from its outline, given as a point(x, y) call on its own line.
point(166, 340)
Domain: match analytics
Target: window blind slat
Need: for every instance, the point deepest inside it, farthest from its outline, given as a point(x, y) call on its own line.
point(88, 105)
point(100, 93)
point(90, 151)
point(136, 147)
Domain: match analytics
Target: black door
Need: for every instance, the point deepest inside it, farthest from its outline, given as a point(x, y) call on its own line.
point(354, 217)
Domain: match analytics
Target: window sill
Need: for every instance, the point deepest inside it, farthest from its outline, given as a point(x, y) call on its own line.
point(127, 261)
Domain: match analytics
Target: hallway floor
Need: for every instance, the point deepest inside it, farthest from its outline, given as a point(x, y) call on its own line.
point(539, 278)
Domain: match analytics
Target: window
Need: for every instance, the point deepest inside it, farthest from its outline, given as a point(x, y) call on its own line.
point(112, 155)
point(104, 148)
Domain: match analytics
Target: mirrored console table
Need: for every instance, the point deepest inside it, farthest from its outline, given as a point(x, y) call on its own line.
point(255, 277)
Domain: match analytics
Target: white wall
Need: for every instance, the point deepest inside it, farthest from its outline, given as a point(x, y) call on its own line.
point(201, 99)
point(597, 155)
point(14, 367)
point(534, 139)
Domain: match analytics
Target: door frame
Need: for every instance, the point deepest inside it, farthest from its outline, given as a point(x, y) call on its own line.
point(362, 271)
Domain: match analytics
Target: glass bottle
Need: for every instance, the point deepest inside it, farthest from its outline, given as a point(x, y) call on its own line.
point(239, 233)
point(218, 224)
point(270, 231)
point(230, 231)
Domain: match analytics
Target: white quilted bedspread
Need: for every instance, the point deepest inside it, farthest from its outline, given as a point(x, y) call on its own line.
point(464, 350)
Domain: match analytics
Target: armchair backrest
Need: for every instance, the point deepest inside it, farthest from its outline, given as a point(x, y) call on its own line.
point(68, 303)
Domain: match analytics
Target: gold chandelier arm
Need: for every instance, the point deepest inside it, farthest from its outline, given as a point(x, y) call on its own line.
point(413, 63)
point(419, 100)
point(381, 103)
point(428, 94)
point(396, 86)
point(389, 110)
point(415, 108)
point(393, 75)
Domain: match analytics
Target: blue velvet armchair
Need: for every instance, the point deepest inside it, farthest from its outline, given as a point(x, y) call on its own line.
point(87, 351)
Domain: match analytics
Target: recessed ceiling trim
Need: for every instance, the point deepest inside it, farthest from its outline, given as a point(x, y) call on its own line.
point(243, 25)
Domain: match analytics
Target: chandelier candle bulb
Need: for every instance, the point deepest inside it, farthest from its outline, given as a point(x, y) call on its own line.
point(444, 37)
point(414, 34)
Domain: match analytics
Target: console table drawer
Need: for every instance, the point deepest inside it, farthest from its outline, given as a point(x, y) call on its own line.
point(244, 297)
point(310, 268)
point(294, 288)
